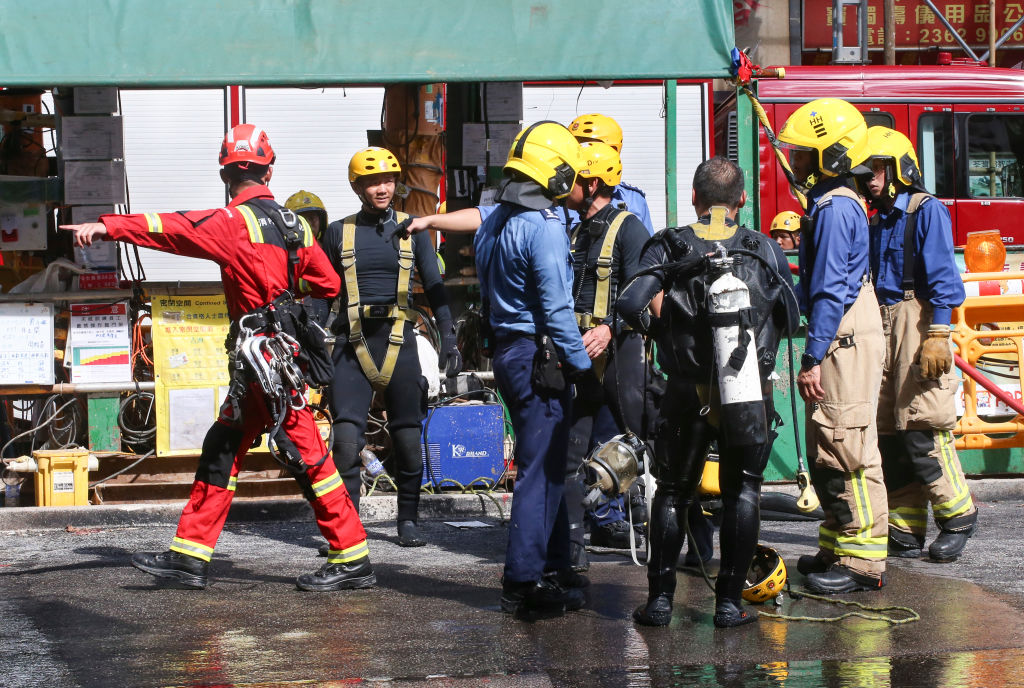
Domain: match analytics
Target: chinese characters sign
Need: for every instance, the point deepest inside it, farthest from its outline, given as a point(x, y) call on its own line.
point(916, 25)
point(26, 358)
point(99, 345)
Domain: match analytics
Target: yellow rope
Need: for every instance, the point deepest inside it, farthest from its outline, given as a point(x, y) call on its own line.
point(762, 117)
point(911, 618)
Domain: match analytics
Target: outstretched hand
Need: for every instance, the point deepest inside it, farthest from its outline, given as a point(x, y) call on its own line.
point(87, 232)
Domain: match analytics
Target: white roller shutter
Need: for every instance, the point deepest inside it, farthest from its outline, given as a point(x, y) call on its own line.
point(639, 109)
point(171, 140)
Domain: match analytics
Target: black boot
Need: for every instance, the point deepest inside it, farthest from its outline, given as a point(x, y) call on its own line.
point(189, 571)
point(409, 535)
point(407, 450)
point(354, 575)
point(840, 579)
point(730, 613)
point(905, 545)
point(667, 530)
point(953, 538)
point(614, 535)
point(543, 599)
point(812, 563)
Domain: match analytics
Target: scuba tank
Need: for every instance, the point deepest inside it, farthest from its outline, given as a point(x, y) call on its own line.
point(742, 415)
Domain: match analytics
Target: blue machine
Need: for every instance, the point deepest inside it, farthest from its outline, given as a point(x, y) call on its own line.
point(463, 443)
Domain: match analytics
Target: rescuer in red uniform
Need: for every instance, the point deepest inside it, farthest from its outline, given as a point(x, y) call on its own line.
point(263, 250)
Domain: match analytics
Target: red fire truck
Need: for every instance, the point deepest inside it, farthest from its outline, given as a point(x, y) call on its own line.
point(966, 122)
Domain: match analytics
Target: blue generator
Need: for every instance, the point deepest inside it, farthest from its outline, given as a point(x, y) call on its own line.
point(463, 443)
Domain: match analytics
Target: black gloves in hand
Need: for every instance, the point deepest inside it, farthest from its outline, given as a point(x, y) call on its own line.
point(397, 229)
point(589, 389)
point(449, 358)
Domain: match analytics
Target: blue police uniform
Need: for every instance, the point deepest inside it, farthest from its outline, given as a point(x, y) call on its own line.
point(525, 272)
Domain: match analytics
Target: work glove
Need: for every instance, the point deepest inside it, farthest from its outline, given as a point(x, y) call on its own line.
point(396, 229)
point(589, 390)
point(449, 359)
point(936, 356)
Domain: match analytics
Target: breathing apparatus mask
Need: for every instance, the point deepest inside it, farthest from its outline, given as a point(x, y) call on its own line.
point(612, 468)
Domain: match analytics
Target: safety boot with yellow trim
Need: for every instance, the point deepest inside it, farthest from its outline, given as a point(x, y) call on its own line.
point(189, 571)
point(353, 575)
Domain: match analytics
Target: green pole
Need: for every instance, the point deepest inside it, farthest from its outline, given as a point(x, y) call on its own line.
point(671, 158)
point(747, 152)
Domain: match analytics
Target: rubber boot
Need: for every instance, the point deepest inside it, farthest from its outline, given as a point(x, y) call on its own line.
point(953, 537)
point(741, 521)
point(667, 530)
point(905, 545)
point(408, 451)
point(578, 548)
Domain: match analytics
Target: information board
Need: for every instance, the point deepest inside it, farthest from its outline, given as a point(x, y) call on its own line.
point(99, 343)
point(26, 358)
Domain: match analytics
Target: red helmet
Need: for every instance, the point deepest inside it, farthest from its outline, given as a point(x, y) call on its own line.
point(244, 144)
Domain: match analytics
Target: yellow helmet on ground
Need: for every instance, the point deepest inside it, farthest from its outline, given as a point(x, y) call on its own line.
point(766, 577)
point(548, 154)
point(372, 160)
point(832, 128)
point(786, 221)
point(601, 161)
point(595, 127)
point(884, 142)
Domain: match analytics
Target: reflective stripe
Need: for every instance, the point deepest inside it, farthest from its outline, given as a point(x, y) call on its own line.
point(233, 483)
point(913, 518)
point(303, 286)
point(950, 466)
point(192, 549)
point(954, 507)
point(307, 231)
point(826, 539)
point(253, 225)
point(156, 225)
point(343, 556)
point(869, 548)
point(328, 484)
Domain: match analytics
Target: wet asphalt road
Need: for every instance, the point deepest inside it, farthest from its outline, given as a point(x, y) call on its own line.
point(74, 613)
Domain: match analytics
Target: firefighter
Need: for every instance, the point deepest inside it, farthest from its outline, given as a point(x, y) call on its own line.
point(605, 248)
point(262, 250)
point(523, 262)
point(604, 129)
point(696, 409)
point(918, 285)
point(785, 229)
point(376, 332)
point(309, 206)
point(841, 369)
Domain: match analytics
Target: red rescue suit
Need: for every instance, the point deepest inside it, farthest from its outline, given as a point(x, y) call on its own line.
point(254, 270)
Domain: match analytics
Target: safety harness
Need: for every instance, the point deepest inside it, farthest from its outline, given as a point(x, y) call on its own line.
point(909, 244)
point(399, 312)
point(603, 273)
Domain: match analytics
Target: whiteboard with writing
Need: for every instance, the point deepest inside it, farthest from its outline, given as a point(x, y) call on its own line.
point(26, 357)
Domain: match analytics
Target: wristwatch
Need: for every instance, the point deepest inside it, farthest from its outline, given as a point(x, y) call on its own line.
point(807, 362)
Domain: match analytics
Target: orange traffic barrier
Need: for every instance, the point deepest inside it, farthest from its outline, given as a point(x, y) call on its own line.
point(990, 324)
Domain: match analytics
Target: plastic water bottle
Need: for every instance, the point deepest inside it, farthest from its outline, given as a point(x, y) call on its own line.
point(371, 463)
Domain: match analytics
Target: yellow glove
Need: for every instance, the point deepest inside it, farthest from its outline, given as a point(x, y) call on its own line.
point(936, 356)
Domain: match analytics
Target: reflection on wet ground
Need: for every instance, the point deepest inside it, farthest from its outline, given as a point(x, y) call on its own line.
point(72, 613)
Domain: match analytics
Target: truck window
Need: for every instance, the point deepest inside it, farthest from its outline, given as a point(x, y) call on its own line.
point(878, 119)
point(935, 152)
point(995, 149)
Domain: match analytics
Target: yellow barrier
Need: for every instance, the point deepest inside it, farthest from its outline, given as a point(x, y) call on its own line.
point(996, 300)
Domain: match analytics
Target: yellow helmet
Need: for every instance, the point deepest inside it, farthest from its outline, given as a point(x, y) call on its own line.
point(548, 154)
point(786, 221)
point(601, 161)
point(884, 142)
point(372, 160)
point(301, 201)
point(597, 127)
point(834, 129)
point(766, 577)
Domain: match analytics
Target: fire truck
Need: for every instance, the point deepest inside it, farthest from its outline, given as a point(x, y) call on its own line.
point(966, 122)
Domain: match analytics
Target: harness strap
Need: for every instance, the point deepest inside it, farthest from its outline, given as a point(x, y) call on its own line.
point(378, 378)
point(910, 245)
point(603, 271)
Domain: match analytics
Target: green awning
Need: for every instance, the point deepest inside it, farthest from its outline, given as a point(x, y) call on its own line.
point(189, 43)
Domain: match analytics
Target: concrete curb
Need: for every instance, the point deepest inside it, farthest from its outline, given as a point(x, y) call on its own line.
point(376, 509)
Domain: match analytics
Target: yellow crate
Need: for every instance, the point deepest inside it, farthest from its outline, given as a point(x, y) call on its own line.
point(62, 478)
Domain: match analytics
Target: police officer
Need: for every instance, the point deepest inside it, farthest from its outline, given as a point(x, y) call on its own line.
point(694, 410)
point(918, 285)
point(604, 129)
point(606, 247)
point(522, 259)
point(375, 349)
point(247, 240)
point(841, 369)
